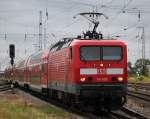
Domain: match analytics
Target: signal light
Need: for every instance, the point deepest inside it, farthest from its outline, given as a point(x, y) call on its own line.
point(11, 51)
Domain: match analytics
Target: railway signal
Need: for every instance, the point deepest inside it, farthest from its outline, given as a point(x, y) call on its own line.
point(12, 53)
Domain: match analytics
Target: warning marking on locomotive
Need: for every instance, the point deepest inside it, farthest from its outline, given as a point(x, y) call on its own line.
point(92, 71)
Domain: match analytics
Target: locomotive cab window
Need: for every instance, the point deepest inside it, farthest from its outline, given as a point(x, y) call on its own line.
point(112, 53)
point(89, 53)
point(96, 53)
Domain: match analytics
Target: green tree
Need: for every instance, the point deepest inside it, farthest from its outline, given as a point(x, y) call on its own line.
point(131, 69)
point(141, 66)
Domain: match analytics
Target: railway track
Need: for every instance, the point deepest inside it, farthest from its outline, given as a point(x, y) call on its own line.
point(2, 82)
point(124, 113)
point(139, 95)
point(140, 86)
point(145, 84)
point(4, 86)
point(140, 92)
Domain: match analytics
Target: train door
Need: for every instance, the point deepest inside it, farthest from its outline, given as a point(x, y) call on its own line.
point(26, 74)
point(44, 74)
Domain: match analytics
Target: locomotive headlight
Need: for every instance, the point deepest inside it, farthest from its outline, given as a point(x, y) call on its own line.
point(82, 79)
point(120, 79)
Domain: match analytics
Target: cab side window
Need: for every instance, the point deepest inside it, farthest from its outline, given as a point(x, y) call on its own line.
point(70, 54)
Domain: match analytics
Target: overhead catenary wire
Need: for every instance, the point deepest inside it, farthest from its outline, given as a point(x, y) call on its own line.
point(68, 25)
point(117, 14)
point(81, 3)
point(128, 27)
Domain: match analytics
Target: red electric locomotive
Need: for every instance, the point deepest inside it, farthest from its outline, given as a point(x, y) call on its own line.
point(89, 72)
point(86, 71)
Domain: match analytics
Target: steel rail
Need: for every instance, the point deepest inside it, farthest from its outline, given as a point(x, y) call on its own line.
point(126, 113)
point(139, 95)
point(133, 113)
point(141, 86)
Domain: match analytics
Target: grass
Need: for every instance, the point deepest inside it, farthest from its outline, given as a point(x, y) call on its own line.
point(139, 79)
point(53, 111)
point(18, 109)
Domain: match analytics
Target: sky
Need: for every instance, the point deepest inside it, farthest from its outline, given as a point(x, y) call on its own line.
point(20, 17)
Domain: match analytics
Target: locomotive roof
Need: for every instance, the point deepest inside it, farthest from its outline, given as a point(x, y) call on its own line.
point(62, 42)
point(99, 42)
point(75, 41)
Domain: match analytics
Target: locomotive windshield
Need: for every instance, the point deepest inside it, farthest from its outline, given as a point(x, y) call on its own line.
point(92, 53)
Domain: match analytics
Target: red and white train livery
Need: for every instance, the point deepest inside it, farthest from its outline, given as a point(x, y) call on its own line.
point(79, 71)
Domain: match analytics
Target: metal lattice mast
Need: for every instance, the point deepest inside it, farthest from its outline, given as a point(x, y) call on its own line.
point(45, 28)
point(143, 41)
point(143, 44)
point(44, 35)
point(40, 31)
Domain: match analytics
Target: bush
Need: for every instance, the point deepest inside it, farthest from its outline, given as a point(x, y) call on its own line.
point(140, 78)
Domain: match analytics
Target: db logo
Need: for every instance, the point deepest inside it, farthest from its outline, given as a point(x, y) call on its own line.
point(101, 71)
